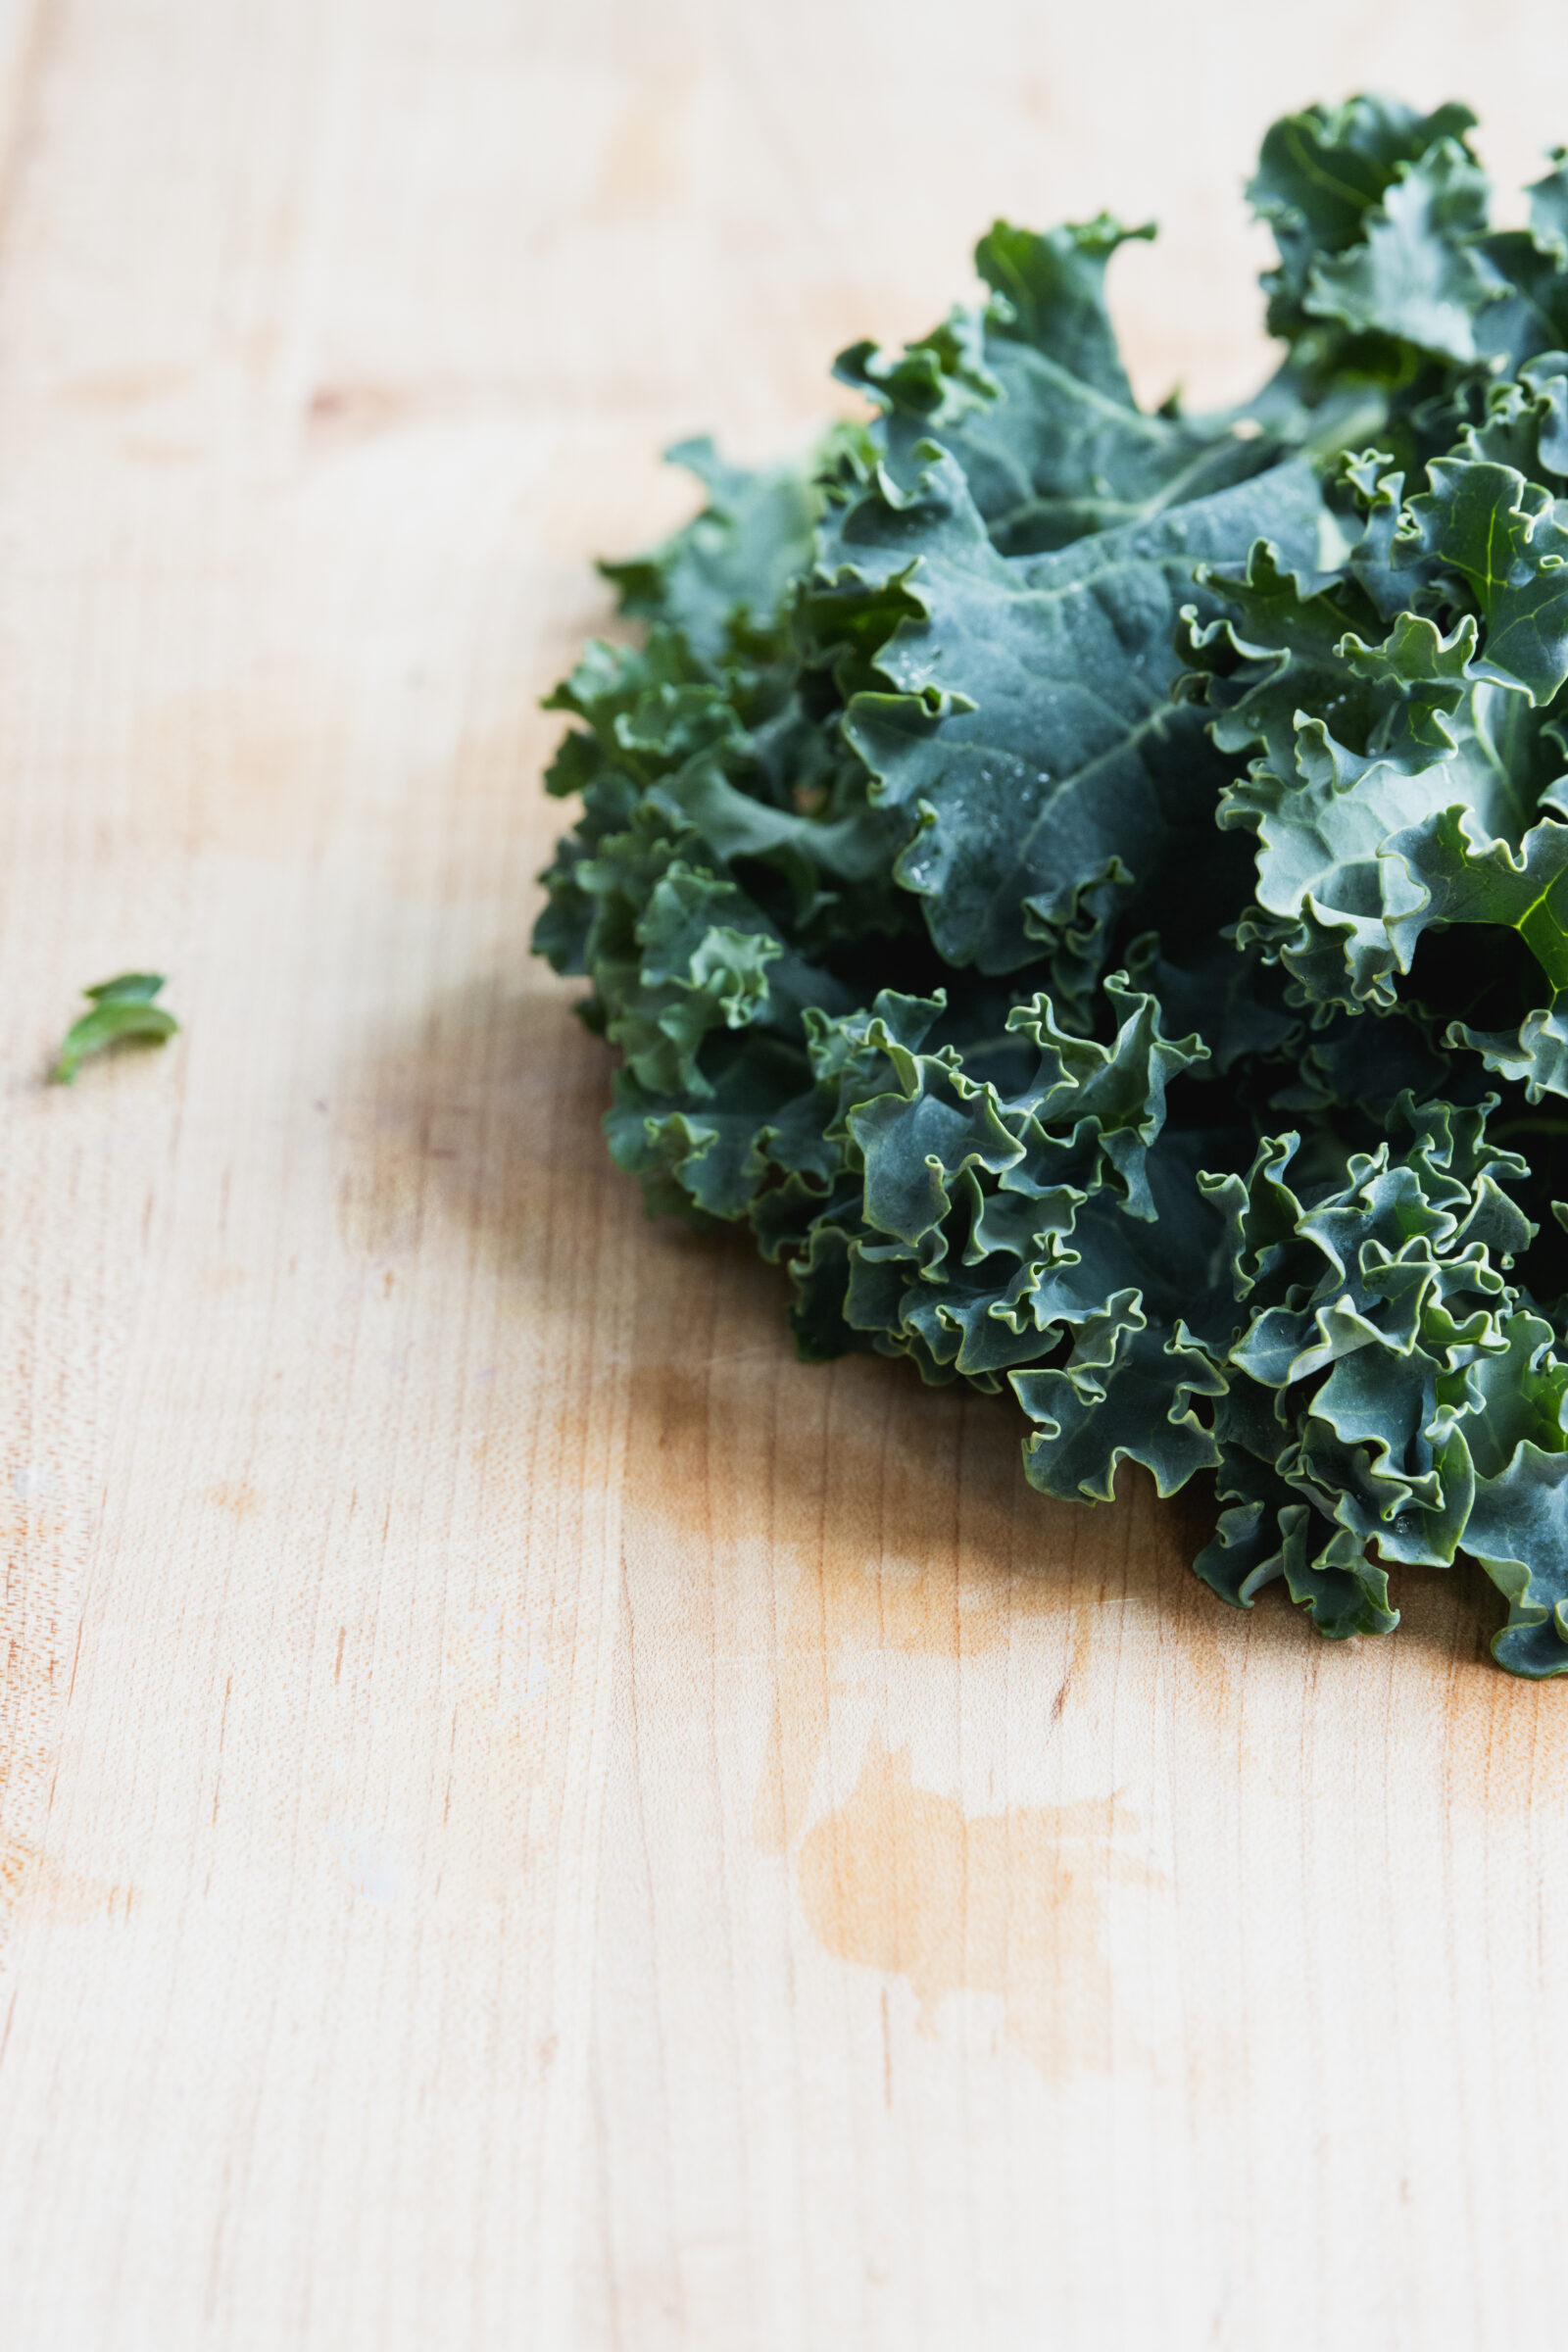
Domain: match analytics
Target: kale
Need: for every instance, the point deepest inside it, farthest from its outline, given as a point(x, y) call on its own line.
point(119, 1009)
point(1091, 887)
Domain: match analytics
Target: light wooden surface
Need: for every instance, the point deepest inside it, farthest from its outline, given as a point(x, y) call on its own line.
point(527, 1819)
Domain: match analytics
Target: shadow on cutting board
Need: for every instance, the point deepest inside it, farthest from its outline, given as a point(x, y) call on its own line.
point(942, 1652)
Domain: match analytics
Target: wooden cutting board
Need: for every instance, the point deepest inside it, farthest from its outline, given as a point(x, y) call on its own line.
point(528, 1819)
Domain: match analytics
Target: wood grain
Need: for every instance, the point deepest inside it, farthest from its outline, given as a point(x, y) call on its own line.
point(527, 1818)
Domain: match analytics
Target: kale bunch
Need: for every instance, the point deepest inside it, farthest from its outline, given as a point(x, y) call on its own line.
point(1091, 887)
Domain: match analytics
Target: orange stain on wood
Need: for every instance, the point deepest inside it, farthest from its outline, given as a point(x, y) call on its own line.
point(36, 1887)
point(236, 1495)
point(1011, 1903)
point(916, 1581)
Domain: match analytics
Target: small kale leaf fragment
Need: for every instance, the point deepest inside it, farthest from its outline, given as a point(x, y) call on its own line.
point(120, 1008)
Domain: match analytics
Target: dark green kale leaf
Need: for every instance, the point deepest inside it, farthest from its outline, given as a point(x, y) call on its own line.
point(1409, 772)
point(1022, 719)
point(1028, 394)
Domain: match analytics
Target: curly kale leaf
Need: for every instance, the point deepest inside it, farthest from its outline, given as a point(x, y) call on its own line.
point(726, 575)
point(1028, 395)
point(1020, 716)
point(1410, 775)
